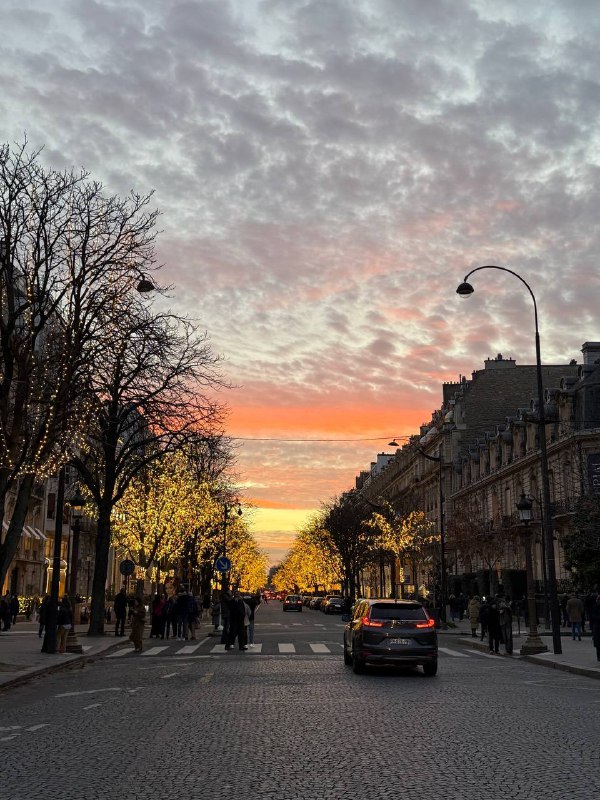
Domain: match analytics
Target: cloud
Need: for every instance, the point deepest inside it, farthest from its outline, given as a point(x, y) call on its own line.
point(327, 173)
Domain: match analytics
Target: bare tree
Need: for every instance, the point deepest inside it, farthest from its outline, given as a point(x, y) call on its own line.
point(152, 395)
point(69, 260)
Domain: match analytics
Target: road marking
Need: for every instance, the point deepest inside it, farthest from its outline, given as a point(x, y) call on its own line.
point(298, 624)
point(285, 647)
point(170, 675)
point(486, 655)
point(191, 648)
point(319, 648)
point(90, 691)
point(86, 647)
point(92, 705)
point(121, 652)
point(8, 738)
point(256, 649)
point(319, 625)
point(154, 651)
point(218, 648)
point(454, 653)
point(10, 727)
point(38, 727)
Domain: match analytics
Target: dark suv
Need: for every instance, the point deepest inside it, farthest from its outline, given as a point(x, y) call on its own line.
point(399, 632)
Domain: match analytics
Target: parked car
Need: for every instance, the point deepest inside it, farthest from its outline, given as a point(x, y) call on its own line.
point(333, 605)
point(399, 632)
point(293, 602)
point(316, 602)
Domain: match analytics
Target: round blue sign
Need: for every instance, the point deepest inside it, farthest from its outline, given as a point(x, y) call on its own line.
point(222, 564)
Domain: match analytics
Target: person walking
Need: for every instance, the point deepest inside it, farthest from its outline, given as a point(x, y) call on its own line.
point(14, 608)
point(595, 625)
point(170, 618)
point(575, 612)
point(120, 609)
point(157, 628)
point(5, 612)
point(215, 612)
point(252, 604)
point(64, 623)
point(237, 629)
point(493, 625)
point(226, 600)
point(506, 621)
point(182, 610)
point(43, 614)
point(193, 615)
point(138, 620)
point(483, 617)
point(473, 613)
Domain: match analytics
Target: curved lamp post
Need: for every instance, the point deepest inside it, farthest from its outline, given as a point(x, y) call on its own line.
point(465, 290)
point(227, 509)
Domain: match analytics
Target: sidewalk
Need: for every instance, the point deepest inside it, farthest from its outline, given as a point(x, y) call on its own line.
point(21, 658)
point(577, 657)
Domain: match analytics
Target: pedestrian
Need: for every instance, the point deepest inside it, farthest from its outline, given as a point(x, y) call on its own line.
point(575, 611)
point(252, 603)
point(43, 614)
point(506, 621)
point(34, 608)
point(5, 612)
point(473, 613)
point(138, 619)
point(453, 603)
point(588, 603)
point(193, 615)
point(237, 629)
point(226, 600)
point(170, 618)
point(483, 617)
point(64, 622)
point(563, 610)
point(595, 625)
point(120, 609)
point(215, 611)
point(14, 608)
point(182, 611)
point(493, 625)
point(156, 628)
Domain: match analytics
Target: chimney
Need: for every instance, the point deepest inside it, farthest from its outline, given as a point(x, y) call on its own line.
point(499, 362)
point(591, 352)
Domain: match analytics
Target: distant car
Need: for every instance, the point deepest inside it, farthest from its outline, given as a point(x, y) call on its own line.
point(399, 632)
point(293, 602)
point(333, 605)
point(316, 602)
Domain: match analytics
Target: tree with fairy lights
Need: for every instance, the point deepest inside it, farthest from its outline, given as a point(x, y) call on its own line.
point(70, 261)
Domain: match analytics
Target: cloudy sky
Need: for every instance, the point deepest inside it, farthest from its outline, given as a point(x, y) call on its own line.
point(328, 170)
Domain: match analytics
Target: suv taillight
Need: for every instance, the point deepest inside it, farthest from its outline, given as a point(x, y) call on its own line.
point(429, 624)
point(371, 623)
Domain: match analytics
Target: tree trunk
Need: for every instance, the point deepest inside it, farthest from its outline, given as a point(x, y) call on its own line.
point(97, 610)
point(8, 548)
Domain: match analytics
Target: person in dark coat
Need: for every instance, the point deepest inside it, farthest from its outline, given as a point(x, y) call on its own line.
point(43, 612)
point(226, 600)
point(170, 627)
point(237, 629)
point(64, 622)
point(484, 612)
point(120, 609)
point(493, 624)
point(157, 628)
point(595, 625)
point(5, 612)
point(14, 608)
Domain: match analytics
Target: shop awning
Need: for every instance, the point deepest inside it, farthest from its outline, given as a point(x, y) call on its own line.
point(28, 531)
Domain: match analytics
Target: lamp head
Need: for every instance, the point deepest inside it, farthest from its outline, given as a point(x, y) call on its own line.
point(77, 502)
point(464, 289)
point(393, 443)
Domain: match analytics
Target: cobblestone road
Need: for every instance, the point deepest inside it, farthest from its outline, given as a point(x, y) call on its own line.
point(300, 727)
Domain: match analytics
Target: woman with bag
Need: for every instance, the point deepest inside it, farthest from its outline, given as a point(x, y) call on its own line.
point(138, 619)
point(64, 621)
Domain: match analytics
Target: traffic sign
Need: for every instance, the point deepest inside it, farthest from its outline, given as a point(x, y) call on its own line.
point(222, 564)
point(127, 567)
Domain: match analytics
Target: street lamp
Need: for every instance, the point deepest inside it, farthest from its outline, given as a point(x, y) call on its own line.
point(76, 502)
point(533, 644)
point(465, 290)
point(440, 460)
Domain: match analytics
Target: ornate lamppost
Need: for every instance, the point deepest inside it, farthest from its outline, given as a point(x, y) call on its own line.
point(533, 644)
point(76, 503)
point(465, 290)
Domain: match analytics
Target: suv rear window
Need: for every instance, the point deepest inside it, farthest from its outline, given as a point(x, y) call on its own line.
point(389, 611)
point(293, 597)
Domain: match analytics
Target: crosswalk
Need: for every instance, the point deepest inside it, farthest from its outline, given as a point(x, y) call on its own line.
point(207, 647)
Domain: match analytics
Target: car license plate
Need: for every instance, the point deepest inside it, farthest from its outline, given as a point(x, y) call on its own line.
point(400, 641)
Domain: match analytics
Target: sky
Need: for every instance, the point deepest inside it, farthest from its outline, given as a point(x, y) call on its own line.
point(327, 172)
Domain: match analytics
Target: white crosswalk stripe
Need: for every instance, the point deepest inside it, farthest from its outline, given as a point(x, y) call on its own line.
point(286, 647)
point(319, 648)
point(190, 648)
point(454, 653)
point(154, 651)
point(122, 652)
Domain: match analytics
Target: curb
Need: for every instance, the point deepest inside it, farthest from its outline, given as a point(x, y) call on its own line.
point(588, 672)
point(29, 673)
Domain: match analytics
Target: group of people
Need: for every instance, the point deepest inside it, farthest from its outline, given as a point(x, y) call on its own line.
point(9, 609)
point(495, 615)
point(236, 614)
